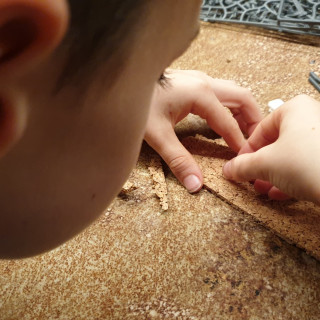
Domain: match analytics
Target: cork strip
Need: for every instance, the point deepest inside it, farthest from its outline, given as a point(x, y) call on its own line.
point(159, 181)
point(298, 222)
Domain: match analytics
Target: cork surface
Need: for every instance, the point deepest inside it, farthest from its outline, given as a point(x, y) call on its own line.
point(272, 65)
point(201, 258)
point(298, 222)
point(159, 181)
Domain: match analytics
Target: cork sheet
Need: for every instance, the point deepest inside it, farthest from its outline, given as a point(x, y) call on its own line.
point(297, 222)
point(159, 181)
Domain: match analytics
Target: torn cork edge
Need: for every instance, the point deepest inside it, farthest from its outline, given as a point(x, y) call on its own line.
point(128, 187)
point(297, 222)
point(159, 181)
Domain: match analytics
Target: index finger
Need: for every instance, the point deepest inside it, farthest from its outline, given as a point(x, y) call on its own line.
point(208, 107)
point(241, 102)
point(266, 132)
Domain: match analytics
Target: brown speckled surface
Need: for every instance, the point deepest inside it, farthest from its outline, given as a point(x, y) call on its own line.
point(201, 259)
point(298, 222)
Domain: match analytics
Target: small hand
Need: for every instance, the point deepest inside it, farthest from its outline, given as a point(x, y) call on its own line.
point(283, 152)
point(197, 93)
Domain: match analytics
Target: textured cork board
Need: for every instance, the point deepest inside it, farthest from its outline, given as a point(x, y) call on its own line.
point(200, 259)
point(298, 222)
point(159, 181)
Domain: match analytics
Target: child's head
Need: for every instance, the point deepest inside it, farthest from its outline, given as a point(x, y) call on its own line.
point(76, 79)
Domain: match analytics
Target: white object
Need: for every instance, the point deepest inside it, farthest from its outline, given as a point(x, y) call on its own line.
point(275, 104)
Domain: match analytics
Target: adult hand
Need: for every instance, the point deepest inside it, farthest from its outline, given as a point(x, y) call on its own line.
point(197, 93)
point(283, 152)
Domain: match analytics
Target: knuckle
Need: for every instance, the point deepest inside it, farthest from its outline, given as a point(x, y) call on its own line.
point(237, 169)
point(197, 74)
point(203, 84)
point(200, 73)
point(245, 92)
point(202, 80)
point(262, 168)
point(207, 89)
point(178, 164)
point(250, 166)
point(301, 99)
point(297, 101)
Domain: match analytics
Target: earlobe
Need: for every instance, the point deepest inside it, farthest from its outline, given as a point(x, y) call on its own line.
point(29, 31)
point(13, 120)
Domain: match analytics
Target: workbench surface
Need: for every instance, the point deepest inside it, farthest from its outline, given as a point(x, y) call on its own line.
point(200, 259)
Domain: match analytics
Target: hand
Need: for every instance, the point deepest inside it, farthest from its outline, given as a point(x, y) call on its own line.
point(283, 152)
point(195, 92)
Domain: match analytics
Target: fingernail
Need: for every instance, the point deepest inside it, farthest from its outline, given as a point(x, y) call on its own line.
point(227, 170)
point(192, 183)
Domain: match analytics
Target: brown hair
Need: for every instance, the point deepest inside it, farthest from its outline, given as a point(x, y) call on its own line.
point(100, 30)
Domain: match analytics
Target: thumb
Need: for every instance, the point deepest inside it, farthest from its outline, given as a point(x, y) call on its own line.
point(248, 166)
point(179, 160)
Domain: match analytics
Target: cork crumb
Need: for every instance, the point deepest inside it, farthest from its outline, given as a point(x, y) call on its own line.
point(159, 182)
point(128, 187)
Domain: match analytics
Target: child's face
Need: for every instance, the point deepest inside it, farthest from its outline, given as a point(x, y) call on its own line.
point(72, 159)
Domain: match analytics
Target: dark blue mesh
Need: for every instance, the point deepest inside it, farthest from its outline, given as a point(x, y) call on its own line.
point(297, 16)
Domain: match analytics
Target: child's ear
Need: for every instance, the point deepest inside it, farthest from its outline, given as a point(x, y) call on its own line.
point(29, 30)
